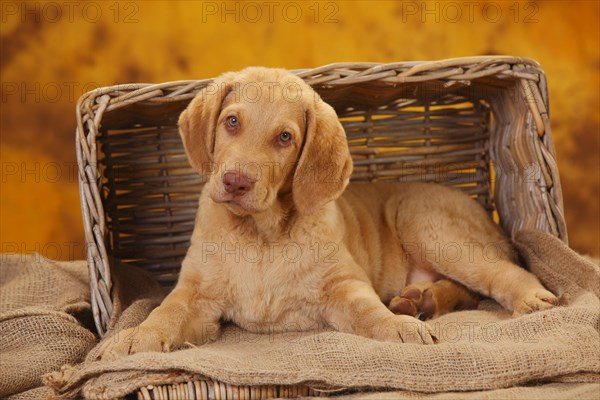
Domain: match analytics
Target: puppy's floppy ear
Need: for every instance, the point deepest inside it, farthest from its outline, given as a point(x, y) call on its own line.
point(325, 164)
point(197, 123)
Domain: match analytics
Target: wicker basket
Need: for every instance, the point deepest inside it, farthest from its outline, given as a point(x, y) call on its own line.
point(479, 123)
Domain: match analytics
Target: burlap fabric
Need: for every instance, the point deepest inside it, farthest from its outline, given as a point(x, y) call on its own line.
point(479, 350)
point(45, 316)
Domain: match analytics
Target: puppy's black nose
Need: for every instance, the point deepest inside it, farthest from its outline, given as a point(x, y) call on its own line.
point(236, 183)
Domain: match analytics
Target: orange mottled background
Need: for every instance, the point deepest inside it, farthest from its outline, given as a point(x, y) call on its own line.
point(52, 52)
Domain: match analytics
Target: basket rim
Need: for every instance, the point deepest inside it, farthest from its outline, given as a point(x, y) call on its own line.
point(408, 71)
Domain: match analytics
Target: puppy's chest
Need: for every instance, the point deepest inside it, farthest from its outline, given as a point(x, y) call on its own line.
point(271, 287)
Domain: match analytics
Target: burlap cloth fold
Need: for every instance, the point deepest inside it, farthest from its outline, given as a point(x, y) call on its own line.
point(547, 355)
point(45, 321)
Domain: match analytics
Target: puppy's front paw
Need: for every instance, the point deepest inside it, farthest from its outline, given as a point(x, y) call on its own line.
point(134, 340)
point(535, 300)
point(403, 329)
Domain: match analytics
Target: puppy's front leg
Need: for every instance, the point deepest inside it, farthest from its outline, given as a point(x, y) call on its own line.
point(351, 305)
point(183, 316)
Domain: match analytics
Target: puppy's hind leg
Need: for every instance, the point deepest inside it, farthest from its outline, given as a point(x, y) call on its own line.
point(446, 231)
point(427, 300)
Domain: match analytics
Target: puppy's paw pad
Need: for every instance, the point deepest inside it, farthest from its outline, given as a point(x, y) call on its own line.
point(402, 306)
point(413, 293)
point(415, 300)
point(428, 306)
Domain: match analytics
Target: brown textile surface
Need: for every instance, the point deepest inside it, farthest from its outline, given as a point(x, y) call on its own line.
point(44, 311)
point(42, 392)
point(479, 349)
point(550, 391)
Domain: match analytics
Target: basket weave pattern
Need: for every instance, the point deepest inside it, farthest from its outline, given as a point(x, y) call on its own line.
point(208, 389)
point(480, 124)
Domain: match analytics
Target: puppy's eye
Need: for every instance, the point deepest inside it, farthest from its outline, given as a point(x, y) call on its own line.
point(232, 122)
point(285, 138)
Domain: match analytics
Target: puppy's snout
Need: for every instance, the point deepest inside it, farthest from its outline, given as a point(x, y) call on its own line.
point(236, 183)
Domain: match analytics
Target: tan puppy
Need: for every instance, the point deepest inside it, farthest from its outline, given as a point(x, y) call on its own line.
point(279, 245)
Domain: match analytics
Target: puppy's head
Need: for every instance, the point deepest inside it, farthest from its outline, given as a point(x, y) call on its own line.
point(262, 135)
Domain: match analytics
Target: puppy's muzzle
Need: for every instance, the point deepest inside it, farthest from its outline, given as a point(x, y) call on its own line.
point(237, 184)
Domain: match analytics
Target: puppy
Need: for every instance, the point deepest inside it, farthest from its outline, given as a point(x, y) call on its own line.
point(281, 243)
